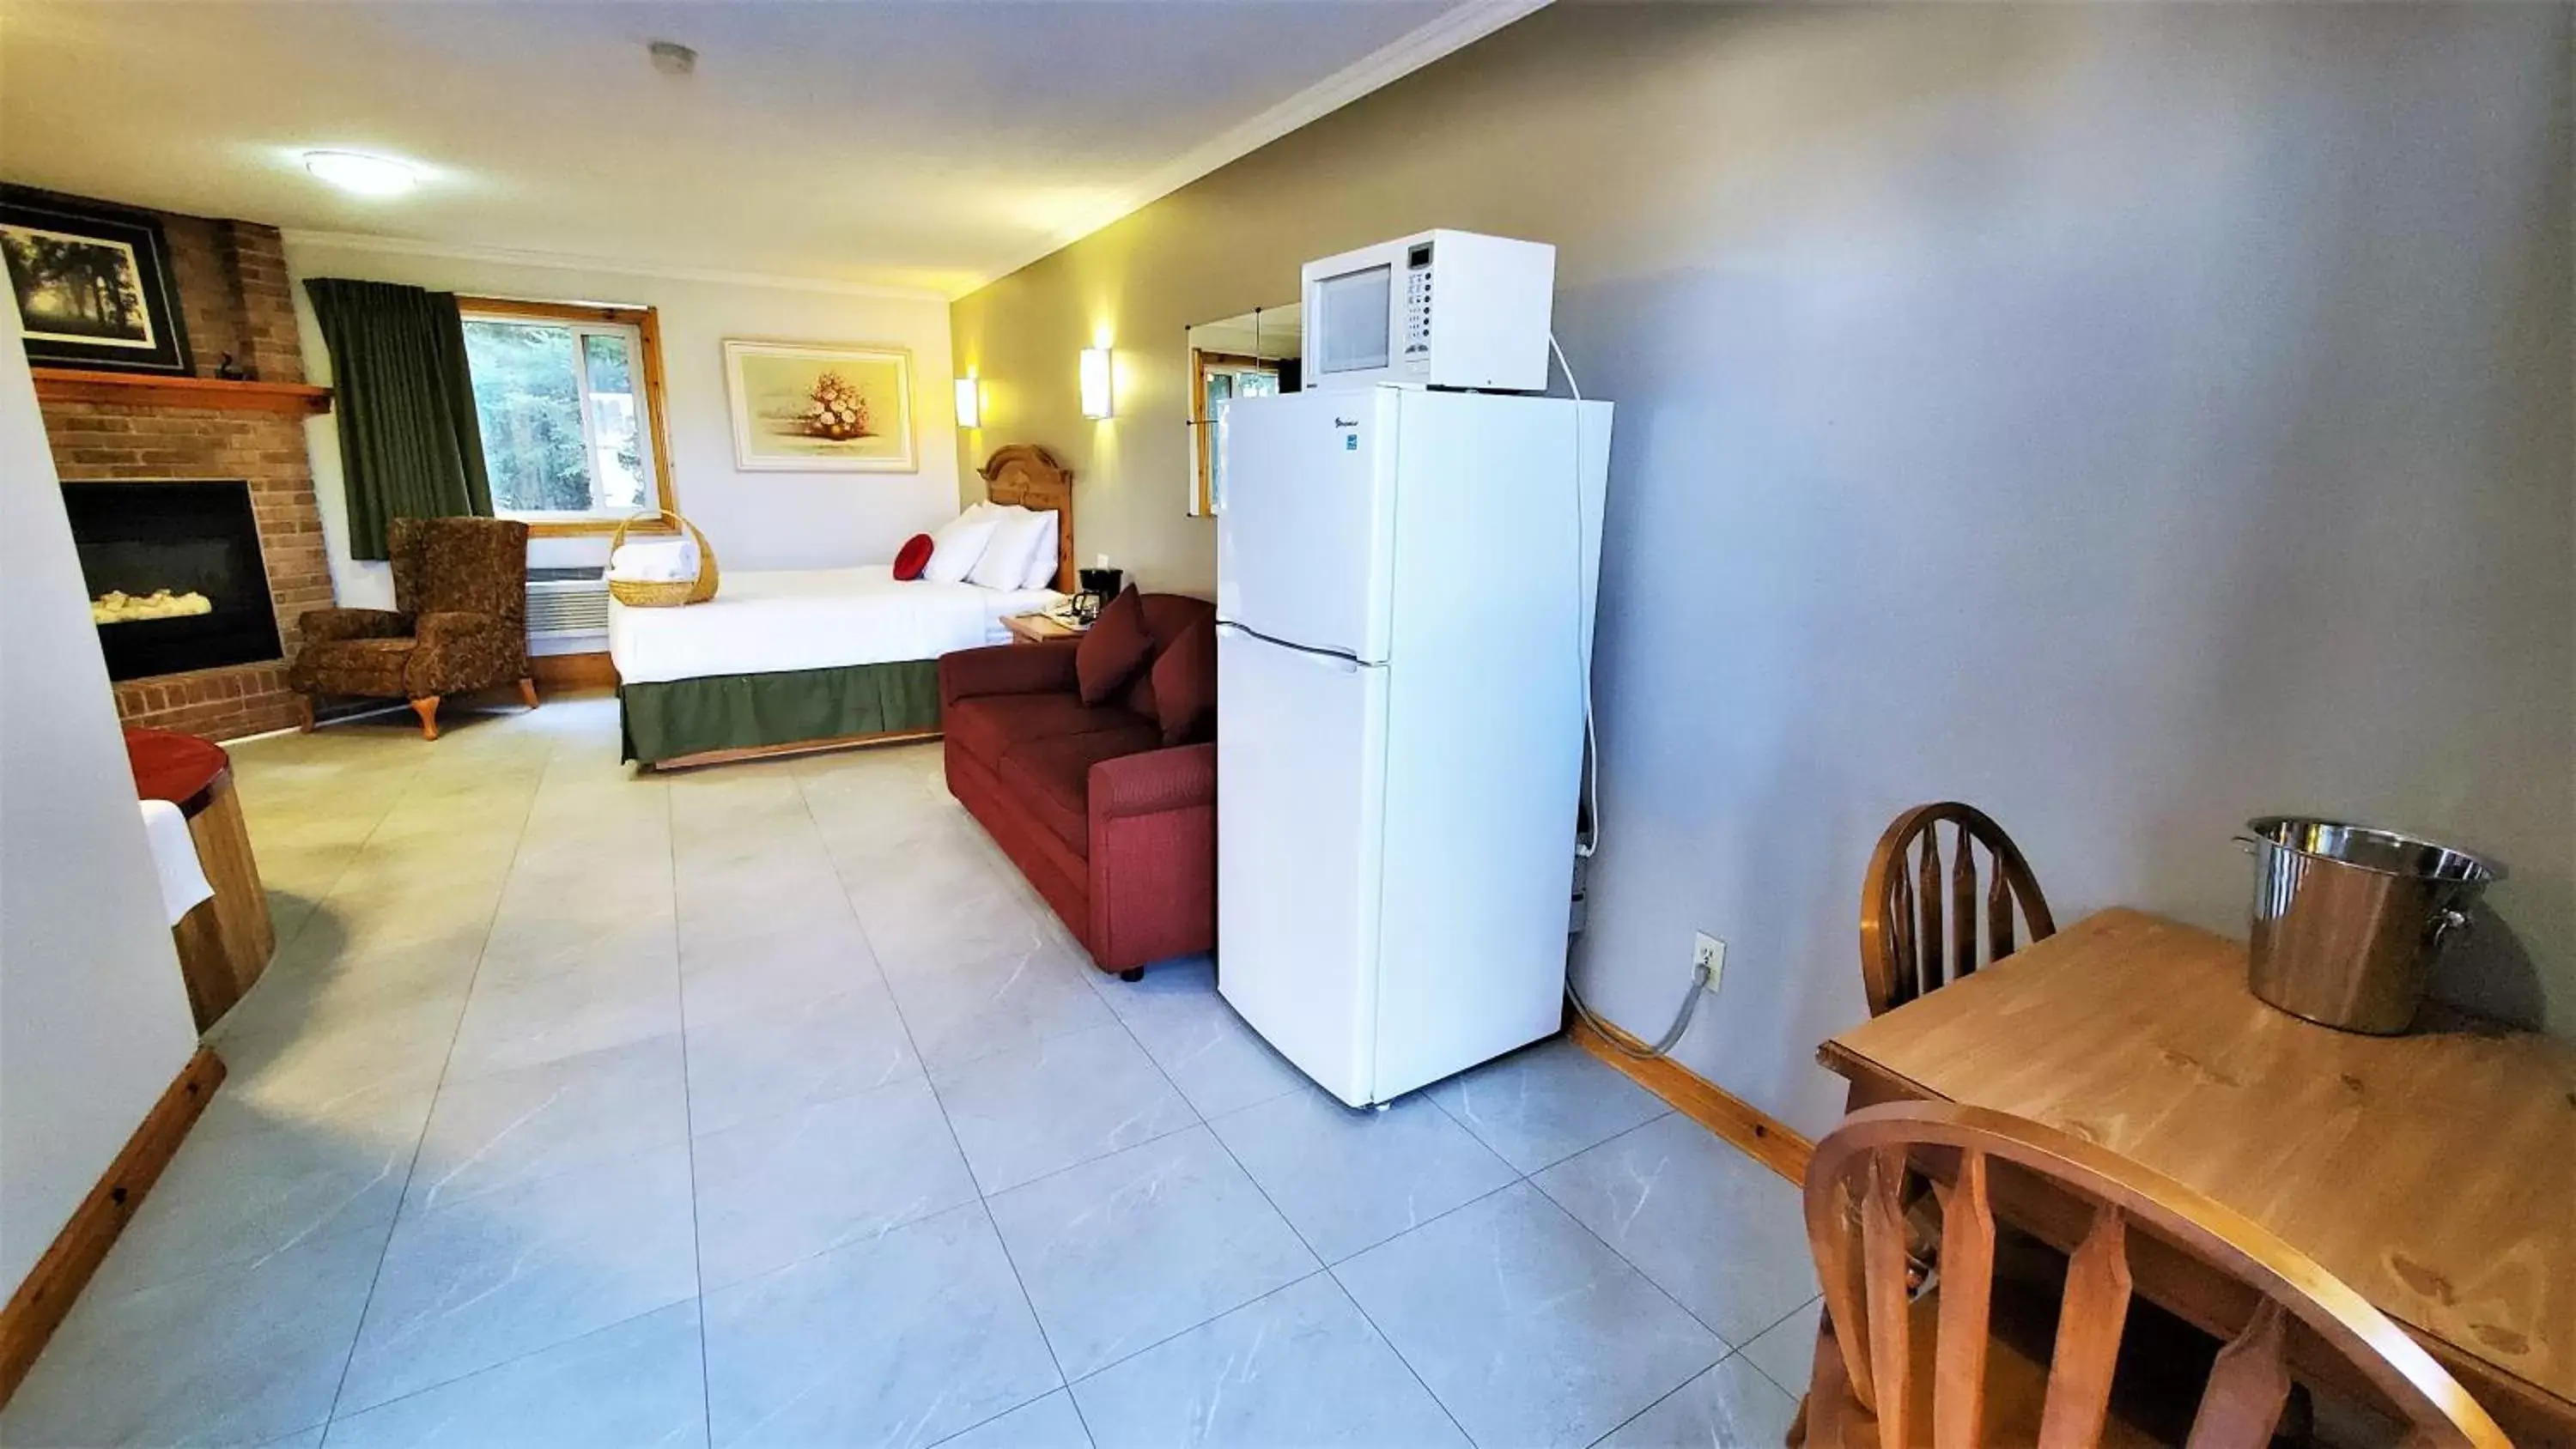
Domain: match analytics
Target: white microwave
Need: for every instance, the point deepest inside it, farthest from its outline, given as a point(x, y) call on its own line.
point(1439, 309)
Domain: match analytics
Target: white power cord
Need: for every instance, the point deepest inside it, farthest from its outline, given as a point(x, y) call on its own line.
point(1588, 840)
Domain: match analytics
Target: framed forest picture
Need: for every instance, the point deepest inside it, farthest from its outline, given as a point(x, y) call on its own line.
point(92, 283)
point(816, 407)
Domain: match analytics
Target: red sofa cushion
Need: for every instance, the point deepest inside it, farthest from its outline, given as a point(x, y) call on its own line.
point(1138, 697)
point(1116, 647)
point(989, 726)
point(1185, 686)
point(1052, 778)
point(1169, 618)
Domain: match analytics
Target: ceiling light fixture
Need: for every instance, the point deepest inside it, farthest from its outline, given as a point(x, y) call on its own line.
point(360, 174)
point(670, 57)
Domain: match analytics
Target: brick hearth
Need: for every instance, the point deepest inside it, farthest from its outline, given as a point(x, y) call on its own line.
point(233, 290)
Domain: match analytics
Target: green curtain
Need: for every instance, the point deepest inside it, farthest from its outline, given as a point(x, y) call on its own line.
point(404, 403)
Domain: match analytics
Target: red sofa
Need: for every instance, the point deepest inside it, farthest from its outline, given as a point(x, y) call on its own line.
point(1114, 828)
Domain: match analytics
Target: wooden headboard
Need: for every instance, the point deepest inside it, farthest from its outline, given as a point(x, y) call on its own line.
point(1029, 476)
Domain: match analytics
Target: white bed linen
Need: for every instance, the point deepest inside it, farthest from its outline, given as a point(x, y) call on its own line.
point(765, 623)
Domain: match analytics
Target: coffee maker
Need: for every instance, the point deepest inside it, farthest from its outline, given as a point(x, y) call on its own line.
point(1099, 586)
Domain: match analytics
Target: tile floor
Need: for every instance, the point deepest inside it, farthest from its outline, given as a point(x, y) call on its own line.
point(767, 1106)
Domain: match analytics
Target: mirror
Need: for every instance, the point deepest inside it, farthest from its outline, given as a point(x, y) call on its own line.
point(1253, 354)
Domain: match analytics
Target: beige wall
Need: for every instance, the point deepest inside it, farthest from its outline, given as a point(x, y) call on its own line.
point(93, 1018)
point(2130, 419)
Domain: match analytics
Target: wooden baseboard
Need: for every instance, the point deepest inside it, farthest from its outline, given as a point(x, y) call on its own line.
point(574, 671)
point(1761, 1136)
point(37, 1308)
point(792, 747)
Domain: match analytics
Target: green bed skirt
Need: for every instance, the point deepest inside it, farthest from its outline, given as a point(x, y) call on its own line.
point(741, 711)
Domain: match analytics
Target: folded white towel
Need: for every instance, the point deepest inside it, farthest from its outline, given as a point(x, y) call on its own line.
point(665, 561)
point(174, 859)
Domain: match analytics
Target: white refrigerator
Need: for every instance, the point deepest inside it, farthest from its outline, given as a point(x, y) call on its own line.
point(1405, 587)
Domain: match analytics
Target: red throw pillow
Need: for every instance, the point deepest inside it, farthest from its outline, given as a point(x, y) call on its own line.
point(1115, 648)
point(1185, 686)
point(913, 557)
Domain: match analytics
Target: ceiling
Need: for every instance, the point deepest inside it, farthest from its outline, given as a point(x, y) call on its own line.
point(909, 143)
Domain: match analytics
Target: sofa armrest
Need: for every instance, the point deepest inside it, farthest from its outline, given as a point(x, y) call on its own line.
point(1153, 781)
point(457, 626)
point(1007, 669)
point(322, 625)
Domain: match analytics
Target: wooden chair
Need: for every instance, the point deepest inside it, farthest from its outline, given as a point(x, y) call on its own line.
point(1904, 950)
point(1876, 1387)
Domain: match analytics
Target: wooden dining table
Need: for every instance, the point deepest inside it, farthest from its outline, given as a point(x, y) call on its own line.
point(2434, 1172)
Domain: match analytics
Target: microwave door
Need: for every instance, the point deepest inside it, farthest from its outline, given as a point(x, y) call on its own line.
point(1351, 327)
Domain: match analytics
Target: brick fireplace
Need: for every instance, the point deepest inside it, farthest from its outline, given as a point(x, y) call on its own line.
point(233, 291)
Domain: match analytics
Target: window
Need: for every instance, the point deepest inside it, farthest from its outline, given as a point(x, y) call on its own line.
point(567, 398)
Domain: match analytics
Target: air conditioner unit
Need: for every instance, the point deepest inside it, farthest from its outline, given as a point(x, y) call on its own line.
point(567, 603)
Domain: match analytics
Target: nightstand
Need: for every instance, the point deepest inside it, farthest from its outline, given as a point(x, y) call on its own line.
point(1039, 628)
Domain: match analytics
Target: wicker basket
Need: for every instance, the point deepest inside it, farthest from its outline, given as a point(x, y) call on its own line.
point(649, 594)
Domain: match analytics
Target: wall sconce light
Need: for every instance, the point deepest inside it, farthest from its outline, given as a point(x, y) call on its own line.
point(1095, 382)
point(970, 402)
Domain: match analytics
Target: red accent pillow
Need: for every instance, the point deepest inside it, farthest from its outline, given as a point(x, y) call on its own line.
point(913, 557)
point(1185, 686)
point(1117, 645)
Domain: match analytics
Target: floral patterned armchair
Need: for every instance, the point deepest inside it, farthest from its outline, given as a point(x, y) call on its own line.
point(459, 622)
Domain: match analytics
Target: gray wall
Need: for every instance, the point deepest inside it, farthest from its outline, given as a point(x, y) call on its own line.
point(2129, 419)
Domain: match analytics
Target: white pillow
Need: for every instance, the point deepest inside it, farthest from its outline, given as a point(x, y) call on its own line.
point(1006, 558)
point(957, 545)
point(1041, 574)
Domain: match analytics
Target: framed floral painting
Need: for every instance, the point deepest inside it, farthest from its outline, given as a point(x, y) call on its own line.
point(820, 407)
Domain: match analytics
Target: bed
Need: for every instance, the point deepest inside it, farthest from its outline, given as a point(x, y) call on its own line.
point(788, 661)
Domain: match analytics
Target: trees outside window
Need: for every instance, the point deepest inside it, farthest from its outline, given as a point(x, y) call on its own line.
point(566, 421)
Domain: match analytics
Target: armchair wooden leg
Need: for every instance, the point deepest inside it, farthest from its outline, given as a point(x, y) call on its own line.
point(427, 709)
point(528, 692)
point(304, 714)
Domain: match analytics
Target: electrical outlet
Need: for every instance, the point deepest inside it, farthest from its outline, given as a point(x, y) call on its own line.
point(1708, 954)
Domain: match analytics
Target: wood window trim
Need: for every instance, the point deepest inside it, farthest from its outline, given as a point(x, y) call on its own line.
point(647, 323)
point(1202, 362)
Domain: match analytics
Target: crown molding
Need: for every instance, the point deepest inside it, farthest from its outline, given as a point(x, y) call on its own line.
point(1453, 30)
point(563, 261)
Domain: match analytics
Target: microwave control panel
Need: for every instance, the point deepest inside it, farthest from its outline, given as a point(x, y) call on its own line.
point(1417, 300)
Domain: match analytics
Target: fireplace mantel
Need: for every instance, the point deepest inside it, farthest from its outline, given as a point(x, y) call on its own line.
point(63, 384)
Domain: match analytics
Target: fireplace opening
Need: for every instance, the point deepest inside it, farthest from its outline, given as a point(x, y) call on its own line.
point(176, 580)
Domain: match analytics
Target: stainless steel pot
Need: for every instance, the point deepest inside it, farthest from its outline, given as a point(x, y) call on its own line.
point(2348, 921)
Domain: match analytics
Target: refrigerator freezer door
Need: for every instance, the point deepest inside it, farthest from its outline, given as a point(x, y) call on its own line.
point(1306, 528)
point(1299, 777)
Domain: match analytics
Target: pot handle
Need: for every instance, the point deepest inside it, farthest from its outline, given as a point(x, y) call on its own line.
point(2250, 843)
point(2447, 922)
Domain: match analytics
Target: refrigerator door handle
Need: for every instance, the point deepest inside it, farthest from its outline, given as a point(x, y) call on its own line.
point(1334, 657)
